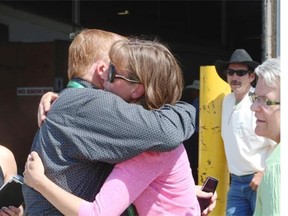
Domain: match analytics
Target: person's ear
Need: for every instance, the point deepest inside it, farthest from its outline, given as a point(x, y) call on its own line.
point(138, 91)
point(97, 72)
point(101, 67)
point(252, 76)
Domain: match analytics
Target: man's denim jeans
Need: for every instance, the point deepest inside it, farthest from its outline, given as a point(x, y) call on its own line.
point(241, 198)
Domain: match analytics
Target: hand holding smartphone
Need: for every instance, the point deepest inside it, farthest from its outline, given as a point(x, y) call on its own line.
point(209, 185)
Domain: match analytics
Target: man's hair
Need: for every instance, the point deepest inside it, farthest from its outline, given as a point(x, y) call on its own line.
point(153, 65)
point(89, 46)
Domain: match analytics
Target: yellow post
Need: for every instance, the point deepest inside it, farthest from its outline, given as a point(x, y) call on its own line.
point(212, 160)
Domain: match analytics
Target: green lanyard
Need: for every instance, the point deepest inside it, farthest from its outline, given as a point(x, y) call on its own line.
point(74, 84)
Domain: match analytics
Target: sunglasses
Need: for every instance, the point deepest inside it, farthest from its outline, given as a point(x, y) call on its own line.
point(239, 73)
point(112, 75)
point(261, 100)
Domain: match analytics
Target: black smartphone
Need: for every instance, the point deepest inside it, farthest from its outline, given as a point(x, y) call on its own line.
point(11, 192)
point(209, 185)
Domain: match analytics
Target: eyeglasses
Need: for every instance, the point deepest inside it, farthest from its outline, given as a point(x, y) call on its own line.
point(112, 75)
point(240, 73)
point(262, 100)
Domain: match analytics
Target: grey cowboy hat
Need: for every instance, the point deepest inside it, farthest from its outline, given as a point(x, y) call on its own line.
point(238, 56)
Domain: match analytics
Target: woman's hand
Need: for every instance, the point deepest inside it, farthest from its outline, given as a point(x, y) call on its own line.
point(34, 171)
point(45, 105)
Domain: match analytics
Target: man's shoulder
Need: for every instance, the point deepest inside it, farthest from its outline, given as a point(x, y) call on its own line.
point(229, 95)
point(76, 91)
point(80, 95)
point(85, 100)
point(229, 98)
point(89, 93)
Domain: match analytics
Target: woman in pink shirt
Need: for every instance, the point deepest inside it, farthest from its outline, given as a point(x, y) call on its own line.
point(145, 73)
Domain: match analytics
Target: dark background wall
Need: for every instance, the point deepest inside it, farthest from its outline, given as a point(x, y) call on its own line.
point(25, 65)
point(198, 32)
point(210, 29)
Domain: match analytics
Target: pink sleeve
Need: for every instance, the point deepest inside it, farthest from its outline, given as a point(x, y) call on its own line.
point(126, 182)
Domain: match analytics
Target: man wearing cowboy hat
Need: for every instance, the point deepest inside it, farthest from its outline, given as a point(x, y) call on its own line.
point(245, 151)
